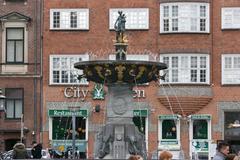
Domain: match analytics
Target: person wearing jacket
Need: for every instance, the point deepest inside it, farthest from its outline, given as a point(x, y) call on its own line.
point(222, 151)
point(37, 150)
point(19, 151)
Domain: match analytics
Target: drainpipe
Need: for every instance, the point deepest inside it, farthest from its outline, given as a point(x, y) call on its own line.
point(41, 68)
point(35, 71)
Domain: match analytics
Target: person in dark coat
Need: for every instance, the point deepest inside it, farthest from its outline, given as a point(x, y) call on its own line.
point(19, 151)
point(37, 150)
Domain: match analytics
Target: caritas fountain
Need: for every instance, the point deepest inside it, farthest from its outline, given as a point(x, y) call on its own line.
point(119, 138)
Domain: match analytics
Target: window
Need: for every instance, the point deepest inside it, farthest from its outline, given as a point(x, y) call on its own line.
point(200, 129)
point(184, 17)
point(186, 68)
point(14, 103)
point(231, 69)
point(69, 19)
point(62, 128)
point(169, 130)
point(230, 18)
point(14, 45)
point(62, 69)
point(136, 18)
point(142, 57)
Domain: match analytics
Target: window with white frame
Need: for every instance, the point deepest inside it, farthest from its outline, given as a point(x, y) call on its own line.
point(231, 18)
point(186, 68)
point(62, 69)
point(136, 18)
point(69, 19)
point(184, 17)
point(231, 69)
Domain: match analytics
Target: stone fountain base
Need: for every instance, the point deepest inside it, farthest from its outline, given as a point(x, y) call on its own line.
point(119, 138)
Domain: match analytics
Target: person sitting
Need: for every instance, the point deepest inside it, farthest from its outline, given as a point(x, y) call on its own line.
point(165, 155)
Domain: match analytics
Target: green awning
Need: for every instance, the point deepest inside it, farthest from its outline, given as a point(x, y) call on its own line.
point(140, 113)
point(200, 116)
point(67, 113)
point(168, 116)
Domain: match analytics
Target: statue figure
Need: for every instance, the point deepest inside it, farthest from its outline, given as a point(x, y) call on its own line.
point(120, 27)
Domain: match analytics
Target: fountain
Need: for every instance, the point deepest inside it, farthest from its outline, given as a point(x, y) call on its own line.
point(119, 138)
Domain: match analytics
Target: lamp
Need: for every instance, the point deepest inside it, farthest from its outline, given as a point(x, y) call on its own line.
point(2, 101)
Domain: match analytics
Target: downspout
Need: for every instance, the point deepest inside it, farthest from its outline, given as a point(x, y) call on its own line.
point(35, 73)
point(41, 69)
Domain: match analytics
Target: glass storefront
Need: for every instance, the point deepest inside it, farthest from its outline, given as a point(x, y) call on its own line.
point(169, 130)
point(232, 130)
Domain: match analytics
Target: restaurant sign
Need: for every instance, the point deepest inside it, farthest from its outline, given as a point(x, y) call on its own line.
point(67, 113)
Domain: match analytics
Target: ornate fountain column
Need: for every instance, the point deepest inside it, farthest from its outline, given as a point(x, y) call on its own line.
point(119, 137)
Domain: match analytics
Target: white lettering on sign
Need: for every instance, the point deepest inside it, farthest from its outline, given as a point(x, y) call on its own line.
point(75, 92)
point(139, 94)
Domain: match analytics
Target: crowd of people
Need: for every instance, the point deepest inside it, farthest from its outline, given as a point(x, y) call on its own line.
point(20, 152)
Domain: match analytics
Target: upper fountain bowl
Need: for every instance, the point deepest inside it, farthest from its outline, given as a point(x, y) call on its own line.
point(120, 71)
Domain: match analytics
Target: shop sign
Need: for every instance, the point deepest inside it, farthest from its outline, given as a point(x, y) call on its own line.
point(200, 145)
point(173, 142)
point(162, 117)
point(97, 93)
point(67, 113)
point(63, 145)
point(142, 113)
point(201, 116)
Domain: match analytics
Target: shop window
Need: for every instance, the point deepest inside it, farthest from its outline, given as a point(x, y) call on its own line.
point(184, 17)
point(69, 19)
point(140, 123)
point(232, 126)
point(200, 129)
point(62, 128)
point(169, 130)
point(14, 103)
point(62, 69)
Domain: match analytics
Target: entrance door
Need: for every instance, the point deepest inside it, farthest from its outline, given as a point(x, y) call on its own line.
point(9, 143)
point(200, 136)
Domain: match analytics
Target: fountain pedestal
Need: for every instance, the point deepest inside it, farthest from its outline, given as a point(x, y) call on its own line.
point(119, 137)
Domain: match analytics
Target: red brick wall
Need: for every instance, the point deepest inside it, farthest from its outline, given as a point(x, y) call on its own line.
point(99, 37)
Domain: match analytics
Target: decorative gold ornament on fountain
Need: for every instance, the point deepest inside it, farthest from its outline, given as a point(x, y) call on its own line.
point(120, 69)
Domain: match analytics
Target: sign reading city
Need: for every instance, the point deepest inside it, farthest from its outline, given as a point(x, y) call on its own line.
point(97, 93)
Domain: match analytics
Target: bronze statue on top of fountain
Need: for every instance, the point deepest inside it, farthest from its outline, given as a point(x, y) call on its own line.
point(120, 27)
point(121, 38)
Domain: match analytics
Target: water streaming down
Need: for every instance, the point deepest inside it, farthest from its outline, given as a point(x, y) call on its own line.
point(119, 138)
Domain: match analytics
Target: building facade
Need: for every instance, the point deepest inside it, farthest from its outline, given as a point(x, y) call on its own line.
point(195, 107)
point(20, 74)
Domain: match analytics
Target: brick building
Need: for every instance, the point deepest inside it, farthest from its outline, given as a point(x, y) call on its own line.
point(20, 71)
point(196, 105)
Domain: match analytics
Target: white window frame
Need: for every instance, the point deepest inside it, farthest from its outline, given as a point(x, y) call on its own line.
point(163, 147)
point(184, 21)
point(84, 57)
point(14, 68)
point(230, 18)
point(234, 71)
point(67, 12)
point(132, 15)
point(188, 68)
point(191, 140)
